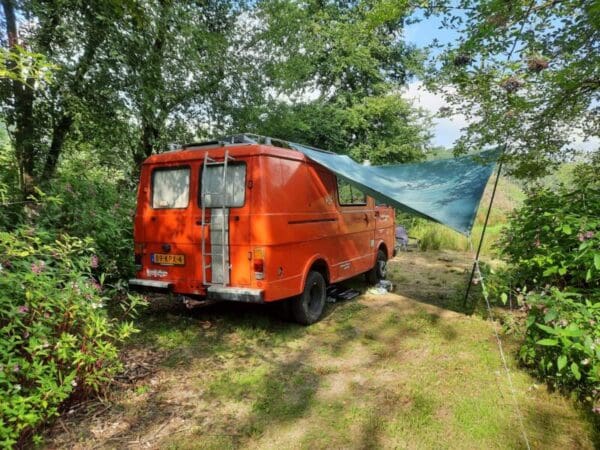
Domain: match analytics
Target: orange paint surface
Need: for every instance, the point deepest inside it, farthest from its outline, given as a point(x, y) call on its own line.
point(291, 216)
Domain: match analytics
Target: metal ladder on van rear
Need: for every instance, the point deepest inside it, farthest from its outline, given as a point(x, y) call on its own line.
point(219, 227)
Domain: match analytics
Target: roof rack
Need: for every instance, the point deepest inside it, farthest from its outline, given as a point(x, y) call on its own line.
point(242, 138)
point(200, 144)
point(250, 138)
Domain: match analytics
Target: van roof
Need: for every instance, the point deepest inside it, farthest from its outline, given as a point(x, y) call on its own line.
point(237, 145)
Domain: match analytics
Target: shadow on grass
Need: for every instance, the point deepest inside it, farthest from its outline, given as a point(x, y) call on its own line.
point(541, 422)
point(438, 278)
point(276, 388)
point(255, 374)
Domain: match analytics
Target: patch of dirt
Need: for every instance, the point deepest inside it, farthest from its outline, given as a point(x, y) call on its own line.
point(139, 363)
point(430, 277)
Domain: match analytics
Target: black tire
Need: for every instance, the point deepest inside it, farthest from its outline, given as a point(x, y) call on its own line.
point(379, 270)
point(308, 306)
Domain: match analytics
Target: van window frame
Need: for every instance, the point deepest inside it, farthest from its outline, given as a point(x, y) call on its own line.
point(163, 168)
point(232, 163)
point(337, 188)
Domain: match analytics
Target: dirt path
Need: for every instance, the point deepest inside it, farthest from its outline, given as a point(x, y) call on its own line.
point(401, 370)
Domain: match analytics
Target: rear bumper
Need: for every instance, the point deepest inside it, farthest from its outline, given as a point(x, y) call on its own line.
point(235, 294)
point(153, 284)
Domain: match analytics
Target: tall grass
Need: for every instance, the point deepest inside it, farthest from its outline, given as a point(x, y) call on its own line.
point(433, 236)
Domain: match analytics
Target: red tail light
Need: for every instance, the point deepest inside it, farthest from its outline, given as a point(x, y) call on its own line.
point(259, 264)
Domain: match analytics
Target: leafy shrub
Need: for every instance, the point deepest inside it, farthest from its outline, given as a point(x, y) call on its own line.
point(56, 338)
point(554, 239)
point(10, 195)
point(92, 203)
point(436, 237)
point(433, 236)
point(553, 248)
point(562, 342)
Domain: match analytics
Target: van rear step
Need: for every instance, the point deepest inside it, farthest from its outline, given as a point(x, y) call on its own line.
point(235, 294)
point(335, 292)
point(137, 282)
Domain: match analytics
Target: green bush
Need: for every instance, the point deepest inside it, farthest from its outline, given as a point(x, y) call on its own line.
point(10, 195)
point(95, 203)
point(56, 338)
point(433, 236)
point(552, 245)
point(562, 342)
point(554, 239)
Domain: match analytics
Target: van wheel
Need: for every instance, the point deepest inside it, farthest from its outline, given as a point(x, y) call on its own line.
point(379, 270)
point(308, 306)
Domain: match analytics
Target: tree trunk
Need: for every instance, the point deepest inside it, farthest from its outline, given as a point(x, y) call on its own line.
point(150, 135)
point(64, 122)
point(150, 131)
point(22, 119)
point(59, 134)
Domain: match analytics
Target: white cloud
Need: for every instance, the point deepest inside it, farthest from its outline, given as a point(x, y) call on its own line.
point(581, 144)
point(445, 129)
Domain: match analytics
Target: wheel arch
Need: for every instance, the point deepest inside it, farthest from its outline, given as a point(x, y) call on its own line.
point(382, 246)
point(320, 264)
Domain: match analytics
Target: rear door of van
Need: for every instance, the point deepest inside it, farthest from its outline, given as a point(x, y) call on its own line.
point(170, 252)
point(227, 206)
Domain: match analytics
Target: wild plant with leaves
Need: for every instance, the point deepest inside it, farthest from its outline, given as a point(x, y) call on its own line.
point(56, 338)
point(553, 247)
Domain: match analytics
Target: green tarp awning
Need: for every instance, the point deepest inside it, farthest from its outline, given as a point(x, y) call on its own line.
point(447, 191)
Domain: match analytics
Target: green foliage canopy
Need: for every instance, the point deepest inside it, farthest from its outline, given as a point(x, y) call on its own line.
point(334, 71)
point(525, 72)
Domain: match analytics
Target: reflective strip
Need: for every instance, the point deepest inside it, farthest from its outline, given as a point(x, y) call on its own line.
point(150, 283)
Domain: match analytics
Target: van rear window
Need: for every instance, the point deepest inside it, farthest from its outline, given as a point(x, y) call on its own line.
point(230, 194)
point(171, 187)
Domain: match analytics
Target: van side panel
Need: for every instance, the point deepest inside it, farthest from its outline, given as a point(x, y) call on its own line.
point(288, 225)
point(297, 219)
point(384, 229)
point(357, 225)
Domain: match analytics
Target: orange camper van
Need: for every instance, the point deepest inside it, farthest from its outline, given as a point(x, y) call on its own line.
point(249, 219)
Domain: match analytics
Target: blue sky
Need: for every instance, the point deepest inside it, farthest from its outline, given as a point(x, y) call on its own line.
point(422, 34)
point(447, 130)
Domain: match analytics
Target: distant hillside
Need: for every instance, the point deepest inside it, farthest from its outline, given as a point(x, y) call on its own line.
point(509, 196)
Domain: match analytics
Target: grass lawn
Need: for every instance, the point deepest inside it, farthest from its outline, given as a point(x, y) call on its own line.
point(402, 370)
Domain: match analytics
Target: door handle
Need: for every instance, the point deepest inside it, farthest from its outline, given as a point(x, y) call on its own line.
point(366, 218)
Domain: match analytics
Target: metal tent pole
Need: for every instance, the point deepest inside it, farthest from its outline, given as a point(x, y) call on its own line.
point(487, 217)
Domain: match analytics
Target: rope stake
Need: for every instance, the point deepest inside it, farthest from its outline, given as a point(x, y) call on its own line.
point(477, 272)
point(502, 357)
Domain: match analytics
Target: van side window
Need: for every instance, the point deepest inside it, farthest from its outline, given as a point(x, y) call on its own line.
point(234, 194)
point(349, 195)
point(170, 187)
